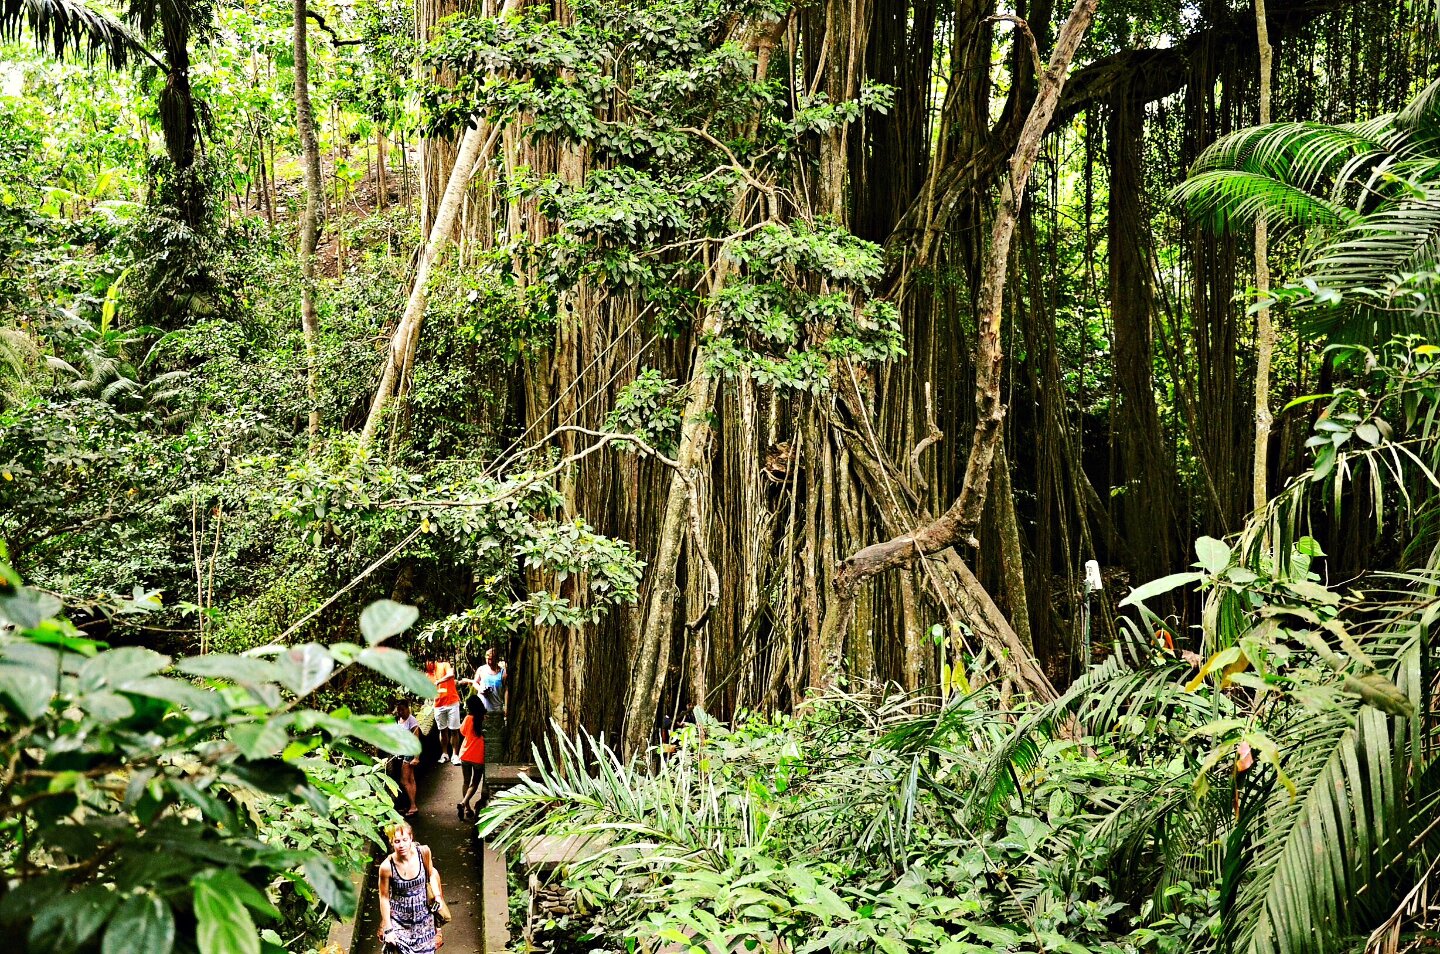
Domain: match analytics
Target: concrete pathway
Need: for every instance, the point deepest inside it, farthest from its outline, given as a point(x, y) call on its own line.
point(458, 857)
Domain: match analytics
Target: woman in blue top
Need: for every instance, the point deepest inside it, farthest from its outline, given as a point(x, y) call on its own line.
point(490, 681)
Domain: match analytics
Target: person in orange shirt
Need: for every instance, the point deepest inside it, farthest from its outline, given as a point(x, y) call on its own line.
point(472, 753)
point(447, 708)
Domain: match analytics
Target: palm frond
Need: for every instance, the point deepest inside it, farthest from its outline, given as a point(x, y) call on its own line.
point(69, 27)
point(1321, 863)
point(1303, 155)
point(1226, 198)
point(1381, 271)
point(1421, 117)
point(1099, 699)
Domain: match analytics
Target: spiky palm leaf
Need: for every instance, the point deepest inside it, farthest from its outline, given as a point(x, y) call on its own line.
point(1372, 193)
point(1324, 862)
point(1382, 272)
point(19, 354)
point(69, 27)
point(1111, 691)
point(1222, 197)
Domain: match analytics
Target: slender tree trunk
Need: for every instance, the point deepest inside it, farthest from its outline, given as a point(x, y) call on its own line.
point(309, 218)
point(406, 340)
point(1012, 558)
point(1264, 330)
point(957, 524)
point(653, 654)
point(382, 187)
point(476, 144)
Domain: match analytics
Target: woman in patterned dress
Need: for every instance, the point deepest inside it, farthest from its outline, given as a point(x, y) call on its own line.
point(407, 925)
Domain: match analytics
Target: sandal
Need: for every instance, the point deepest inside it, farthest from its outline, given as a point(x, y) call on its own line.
point(460, 809)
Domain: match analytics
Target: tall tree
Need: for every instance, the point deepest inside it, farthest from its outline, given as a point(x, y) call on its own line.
point(310, 217)
point(1264, 330)
point(958, 523)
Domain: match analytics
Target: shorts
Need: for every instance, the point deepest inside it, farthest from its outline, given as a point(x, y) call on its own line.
point(447, 717)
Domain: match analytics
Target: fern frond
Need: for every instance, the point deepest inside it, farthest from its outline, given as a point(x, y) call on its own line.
point(1226, 198)
point(1303, 155)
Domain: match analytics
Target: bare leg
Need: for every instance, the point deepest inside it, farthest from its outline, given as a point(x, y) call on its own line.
point(407, 779)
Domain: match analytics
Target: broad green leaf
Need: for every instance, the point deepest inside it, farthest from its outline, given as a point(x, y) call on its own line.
point(1163, 585)
point(204, 702)
point(994, 935)
point(1381, 693)
point(385, 618)
point(1214, 555)
point(303, 669)
point(66, 921)
point(117, 668)
point(388, 736)
point(275, 776)
point(331, 884)
point(394, 665)
point(240, 669)
point(30, 690)
point(259, 740)
point(27, 608)
point(1312, 591)
point(143, 924)
point(224, 925)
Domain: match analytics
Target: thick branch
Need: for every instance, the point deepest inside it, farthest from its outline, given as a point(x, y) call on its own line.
point(335, 39)
point(1149, 75)
point(957, 524)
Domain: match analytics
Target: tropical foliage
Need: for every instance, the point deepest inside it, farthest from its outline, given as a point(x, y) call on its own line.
point(150, 801)
point(877, 381)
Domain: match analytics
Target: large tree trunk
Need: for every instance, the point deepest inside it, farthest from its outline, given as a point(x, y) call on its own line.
point(653, 653)
point(1146, 504)
point(957, 524)
point(475, 145)
point(309, 218)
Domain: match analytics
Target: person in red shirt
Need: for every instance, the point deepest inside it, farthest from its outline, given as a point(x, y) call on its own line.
point(447, 708)
point(472, 753)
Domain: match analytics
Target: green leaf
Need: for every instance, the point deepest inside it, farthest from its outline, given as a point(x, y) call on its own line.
point(27, 608)
point(1163, 585)
point(385, 618)
point(994, 935)
point(143, 924)
point(303, 669)
point(224, 925)
point(394, 665)
point(259, 740)
point(183, 695)
point(117, 668)
point(1214, 555)
point(388, 736)
point(66, 921)
point(331, 884)
point(273, 776)
point(238, 669)
point(30, 689)
point(1381, 693)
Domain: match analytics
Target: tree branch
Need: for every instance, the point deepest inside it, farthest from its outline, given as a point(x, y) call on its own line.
point(335, 39)
point(957, 524)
